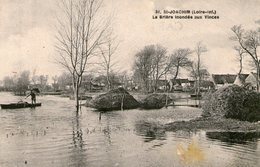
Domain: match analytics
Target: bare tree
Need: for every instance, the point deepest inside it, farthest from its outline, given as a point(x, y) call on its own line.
point(199, 50)
point(22, 83)
point(80, 32)
point(249, 41)
point(143, 66)
point(64, 80)
point(34, 77)
point(55, 84)
point(107, 52)
point(203, 72)
point(160, 65)
point(8, 83)
point(180, 58)
point(151, 64)
point(240, 54)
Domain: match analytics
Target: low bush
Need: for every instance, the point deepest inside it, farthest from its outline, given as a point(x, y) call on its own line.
point(233, 102)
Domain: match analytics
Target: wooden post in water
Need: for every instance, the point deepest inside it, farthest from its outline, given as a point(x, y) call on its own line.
point(99, 118)
point(122, 102)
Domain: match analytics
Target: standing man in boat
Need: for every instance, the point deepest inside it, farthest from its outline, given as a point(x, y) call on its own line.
point(33, 96)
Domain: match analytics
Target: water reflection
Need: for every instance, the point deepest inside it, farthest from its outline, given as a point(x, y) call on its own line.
point(234, 137)
point(78, 153)
point(243, 146)
point(107, 130)
point(150, 131)
point(77, 132)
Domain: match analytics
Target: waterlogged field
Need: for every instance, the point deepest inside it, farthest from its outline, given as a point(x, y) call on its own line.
point(54, 135)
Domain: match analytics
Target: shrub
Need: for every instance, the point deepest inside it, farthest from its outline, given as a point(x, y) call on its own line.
point(233, 102)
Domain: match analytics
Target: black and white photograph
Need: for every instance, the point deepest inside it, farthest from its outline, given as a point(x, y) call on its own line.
point(130, 83)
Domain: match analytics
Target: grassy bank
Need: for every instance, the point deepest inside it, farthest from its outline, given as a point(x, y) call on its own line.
point(212, 124)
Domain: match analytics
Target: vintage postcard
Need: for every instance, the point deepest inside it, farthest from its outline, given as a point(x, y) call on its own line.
point(129, 83)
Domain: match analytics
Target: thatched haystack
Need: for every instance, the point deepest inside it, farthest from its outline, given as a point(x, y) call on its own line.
point(233, 102)
point(155, 101)
point(115, 99)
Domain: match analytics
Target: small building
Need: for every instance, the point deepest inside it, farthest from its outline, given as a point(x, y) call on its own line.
point(204, 74)
point(206, 85)
point(179, 84)
point(182, 82)
point(220, 80)
point(251, 81)
point(93, 86)
point(241, 79)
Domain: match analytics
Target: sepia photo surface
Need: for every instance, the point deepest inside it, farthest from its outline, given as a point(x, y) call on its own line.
point(129, 83)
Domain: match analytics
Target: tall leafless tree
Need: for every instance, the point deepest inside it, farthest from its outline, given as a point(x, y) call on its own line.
point(249, 41)
point(199, 50)
point(80, 32)
point(108, 52)
point(34, 77)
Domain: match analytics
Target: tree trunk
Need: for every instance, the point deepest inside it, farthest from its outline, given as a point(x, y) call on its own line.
point(145, 85)
point(122, 102)
point(175, 77)
point(241, 66)
point(76, 95)
point(155, 85)
point(257, 76)
point(198, 92)
point(177, 73)
point(108, 81)
point(166, 84)
point(198, 68)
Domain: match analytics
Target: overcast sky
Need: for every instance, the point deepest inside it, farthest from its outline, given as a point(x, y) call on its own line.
point(27, 31)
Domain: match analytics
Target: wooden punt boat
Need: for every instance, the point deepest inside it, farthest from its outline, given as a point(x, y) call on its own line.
point(20, 105)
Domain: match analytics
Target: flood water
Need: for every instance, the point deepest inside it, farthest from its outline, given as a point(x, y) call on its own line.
point(53, 135)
